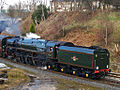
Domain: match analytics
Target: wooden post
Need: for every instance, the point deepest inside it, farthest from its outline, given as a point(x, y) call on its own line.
point(43, 16)
point(63, 31)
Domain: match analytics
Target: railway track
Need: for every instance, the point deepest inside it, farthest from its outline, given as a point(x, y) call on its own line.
point(115, 75)
point(108, 81)
point(113, 78)
point(103, 83)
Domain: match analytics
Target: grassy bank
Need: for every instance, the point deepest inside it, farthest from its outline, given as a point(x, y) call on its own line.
point(63, 84)
point(15, 78)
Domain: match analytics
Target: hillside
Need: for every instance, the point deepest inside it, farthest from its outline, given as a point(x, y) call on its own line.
point(61, 26)
point(83, 28)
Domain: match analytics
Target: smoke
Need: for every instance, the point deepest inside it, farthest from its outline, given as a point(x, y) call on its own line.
point(3, 25)
point(13, 28)
point(3, 22)
point(10, 25)
point(32, 35)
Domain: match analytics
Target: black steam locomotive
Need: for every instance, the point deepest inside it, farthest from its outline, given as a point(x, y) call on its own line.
point(92, 62)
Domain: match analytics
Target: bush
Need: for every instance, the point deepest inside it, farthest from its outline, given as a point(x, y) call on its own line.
point(32, 28)
point(40, 14)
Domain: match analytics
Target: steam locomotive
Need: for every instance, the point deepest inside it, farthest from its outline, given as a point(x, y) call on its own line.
point(91, 62)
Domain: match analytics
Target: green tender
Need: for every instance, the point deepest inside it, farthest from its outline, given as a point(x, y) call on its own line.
point(75, 58)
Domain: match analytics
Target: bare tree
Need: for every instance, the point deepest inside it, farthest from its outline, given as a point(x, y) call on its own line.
point(18, 10)
point(11, 11)
point(89, 2)
point(32, 4)
point(2, 3)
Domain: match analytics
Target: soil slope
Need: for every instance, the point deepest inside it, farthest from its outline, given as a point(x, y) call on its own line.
point(65, 26)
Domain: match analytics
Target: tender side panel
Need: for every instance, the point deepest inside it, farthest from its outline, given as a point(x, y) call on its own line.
point(75, 58)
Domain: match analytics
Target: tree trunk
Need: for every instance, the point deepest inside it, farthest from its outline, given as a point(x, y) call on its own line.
point(71, 6)
point(106, 39)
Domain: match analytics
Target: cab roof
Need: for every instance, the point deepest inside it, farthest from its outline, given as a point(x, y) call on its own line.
point(77, 49)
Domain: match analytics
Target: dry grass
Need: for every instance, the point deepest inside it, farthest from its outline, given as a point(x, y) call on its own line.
point(63, 84)
point(52, 27)
point(15, 78)
point(79, 38)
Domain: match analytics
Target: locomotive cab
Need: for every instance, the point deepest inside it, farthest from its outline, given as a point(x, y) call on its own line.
point(53, 47)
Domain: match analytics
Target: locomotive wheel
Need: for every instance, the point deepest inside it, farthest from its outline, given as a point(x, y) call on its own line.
point(30, 61)
point(49, 66)
point(83, 74)
point(18, 59)
point(92, 76)
point(10, 57)
point(4, 55)
point(55, 67)
point(64, 70)
point(77, 73)
point(14, 60)
point(1, 81)
point(74, 72)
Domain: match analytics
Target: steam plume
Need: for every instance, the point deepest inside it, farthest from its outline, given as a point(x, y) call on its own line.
point(9, 25)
